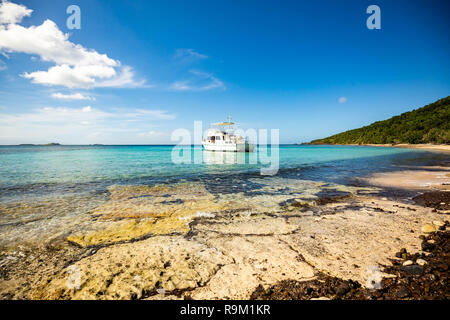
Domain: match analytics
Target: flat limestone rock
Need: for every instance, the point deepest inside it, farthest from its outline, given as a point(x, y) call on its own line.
point(136, 270)
point(257, 260)
point(350, 243)
point(250, 225)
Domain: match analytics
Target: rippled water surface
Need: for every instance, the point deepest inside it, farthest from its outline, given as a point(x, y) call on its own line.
point(49, 191)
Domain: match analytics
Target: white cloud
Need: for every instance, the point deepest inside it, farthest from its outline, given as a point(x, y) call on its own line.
point(76, 66)
point(189, 55)
point(143, 113)
point(72, 77)
point(73, 96)
point(13, 13)
point(342, 100)
point(61, 115)
point(152, 133)
point(200, 81)
point(82, 125)
point(54, 115)
point(124, 79)
point(197, 80)
point(51, 44)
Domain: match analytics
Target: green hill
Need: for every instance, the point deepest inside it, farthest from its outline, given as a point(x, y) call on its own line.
point(429, 124)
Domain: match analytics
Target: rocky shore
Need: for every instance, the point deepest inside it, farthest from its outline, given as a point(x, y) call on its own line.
point(418, 276)
point(285, 239)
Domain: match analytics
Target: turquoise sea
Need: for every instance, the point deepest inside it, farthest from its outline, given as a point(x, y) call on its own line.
point(50, 170)
point(46, 191)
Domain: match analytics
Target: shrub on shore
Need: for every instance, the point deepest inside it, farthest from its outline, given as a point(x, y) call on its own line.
point(429, 124)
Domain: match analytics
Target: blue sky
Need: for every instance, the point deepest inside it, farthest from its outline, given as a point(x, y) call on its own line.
point(137, 70)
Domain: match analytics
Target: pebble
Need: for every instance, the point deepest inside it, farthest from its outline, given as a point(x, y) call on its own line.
point(403, 292)
point(413, 269)
point(407, 263)
point(421, 262)
point(161, 291)
point(428, 228)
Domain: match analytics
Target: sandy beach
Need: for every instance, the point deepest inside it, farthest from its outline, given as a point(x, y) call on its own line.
point(430, 147)
point(433, 178)
point(158, 252)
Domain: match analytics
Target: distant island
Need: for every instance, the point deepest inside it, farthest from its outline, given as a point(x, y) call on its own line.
point(47, 144)
point(429, 124)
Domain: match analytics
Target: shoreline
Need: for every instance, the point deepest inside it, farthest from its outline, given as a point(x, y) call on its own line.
point(428, 147)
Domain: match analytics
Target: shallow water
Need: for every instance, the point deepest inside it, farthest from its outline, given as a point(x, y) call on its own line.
point(56, 191)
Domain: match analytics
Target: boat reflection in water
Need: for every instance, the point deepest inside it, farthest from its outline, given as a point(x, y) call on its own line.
point(223, 157)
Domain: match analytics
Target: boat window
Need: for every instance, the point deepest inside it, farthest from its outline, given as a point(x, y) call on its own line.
point(218, 138)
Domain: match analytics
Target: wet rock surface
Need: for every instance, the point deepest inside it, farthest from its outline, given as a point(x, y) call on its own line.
point(427, 277)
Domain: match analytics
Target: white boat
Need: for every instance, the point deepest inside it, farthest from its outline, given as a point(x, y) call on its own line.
point(222, 137)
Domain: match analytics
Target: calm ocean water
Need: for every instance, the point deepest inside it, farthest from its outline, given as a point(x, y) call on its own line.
point(27, 171)
point(50, 191)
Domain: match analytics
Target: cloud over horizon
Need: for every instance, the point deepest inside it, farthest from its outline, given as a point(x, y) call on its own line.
point(82, 125)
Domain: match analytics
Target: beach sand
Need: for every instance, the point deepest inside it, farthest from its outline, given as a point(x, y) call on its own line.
point(431, 147)
point(424, 146)
point(437, 178)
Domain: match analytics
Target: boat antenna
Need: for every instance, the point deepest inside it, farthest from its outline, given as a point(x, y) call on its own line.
point(229, 118)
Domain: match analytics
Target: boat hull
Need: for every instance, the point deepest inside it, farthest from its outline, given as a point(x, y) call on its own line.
point(240, 147)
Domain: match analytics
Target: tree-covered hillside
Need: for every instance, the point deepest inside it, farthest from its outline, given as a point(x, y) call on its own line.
point(429, 124)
